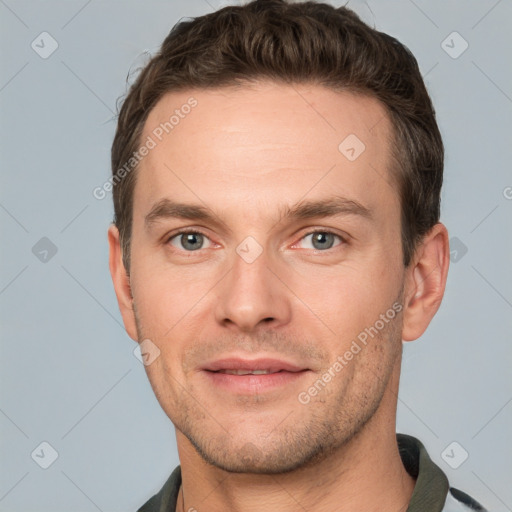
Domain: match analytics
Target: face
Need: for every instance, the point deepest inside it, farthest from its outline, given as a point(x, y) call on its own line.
point(267, 237)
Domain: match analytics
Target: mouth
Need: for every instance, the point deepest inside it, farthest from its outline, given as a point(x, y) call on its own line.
point(257, 366)
point(243, 376)
point(248, 372)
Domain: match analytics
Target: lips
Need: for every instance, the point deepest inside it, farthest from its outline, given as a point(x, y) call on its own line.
point(237, 366)
point(247, 372)
point(242, 376)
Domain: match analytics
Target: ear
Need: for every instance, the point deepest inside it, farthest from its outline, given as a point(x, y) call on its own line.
point(121, 282)
point(425, 282)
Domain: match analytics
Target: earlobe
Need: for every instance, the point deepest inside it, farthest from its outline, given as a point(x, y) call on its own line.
point(121, 282)
point(425, 282)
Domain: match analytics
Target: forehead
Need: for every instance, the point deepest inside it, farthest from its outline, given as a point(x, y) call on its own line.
point(265, 142)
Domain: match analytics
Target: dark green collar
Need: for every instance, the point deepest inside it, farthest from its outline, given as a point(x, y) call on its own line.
point(431, 483)
point(429, 492)
point(165, 500)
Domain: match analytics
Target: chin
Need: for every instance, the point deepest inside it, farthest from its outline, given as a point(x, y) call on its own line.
point(277, 457)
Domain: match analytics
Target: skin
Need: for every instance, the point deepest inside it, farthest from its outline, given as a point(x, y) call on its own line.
point(246, 154)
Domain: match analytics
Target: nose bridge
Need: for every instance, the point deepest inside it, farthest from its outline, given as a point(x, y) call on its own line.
point(251, 294)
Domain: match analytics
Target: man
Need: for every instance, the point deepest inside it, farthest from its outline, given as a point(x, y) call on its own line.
point(276, 176)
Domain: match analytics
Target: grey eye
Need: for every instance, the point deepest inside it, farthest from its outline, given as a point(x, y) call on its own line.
point(190, 241)
point(321, 240)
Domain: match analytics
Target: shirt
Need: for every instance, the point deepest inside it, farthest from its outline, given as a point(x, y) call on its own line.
point(432, 492)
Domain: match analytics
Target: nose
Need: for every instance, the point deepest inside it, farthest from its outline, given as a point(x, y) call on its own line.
point(252, 296)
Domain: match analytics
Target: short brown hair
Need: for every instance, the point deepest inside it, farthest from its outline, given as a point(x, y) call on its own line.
point(305, 42)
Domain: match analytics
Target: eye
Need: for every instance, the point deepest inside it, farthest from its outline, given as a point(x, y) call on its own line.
point(321, 240)
point(189, 240)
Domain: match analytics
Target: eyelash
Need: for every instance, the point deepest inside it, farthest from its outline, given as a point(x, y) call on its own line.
point(342, 239)
point(199, 232)
point(186, 231)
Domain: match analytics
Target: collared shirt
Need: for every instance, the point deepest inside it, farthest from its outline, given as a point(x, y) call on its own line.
point(432, 492)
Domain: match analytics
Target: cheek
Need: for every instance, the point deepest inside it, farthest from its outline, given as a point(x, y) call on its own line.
point(172, 305)
point(164, 382)
point(166, 296)
point(346, 299)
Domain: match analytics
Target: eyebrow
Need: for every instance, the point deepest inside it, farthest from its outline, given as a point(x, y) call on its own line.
point(329, 207)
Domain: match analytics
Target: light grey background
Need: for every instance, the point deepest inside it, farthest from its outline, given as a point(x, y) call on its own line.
point(68, 373)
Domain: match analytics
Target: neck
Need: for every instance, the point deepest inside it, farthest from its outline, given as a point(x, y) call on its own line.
point(366, 473)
